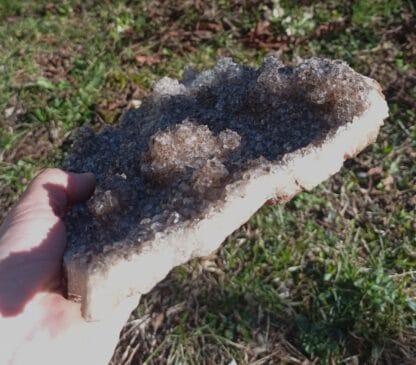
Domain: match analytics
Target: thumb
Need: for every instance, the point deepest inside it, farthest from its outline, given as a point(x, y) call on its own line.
point(33, 237)
point(40, 209)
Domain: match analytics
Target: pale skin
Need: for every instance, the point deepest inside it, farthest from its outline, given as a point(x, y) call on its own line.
point(37, 324)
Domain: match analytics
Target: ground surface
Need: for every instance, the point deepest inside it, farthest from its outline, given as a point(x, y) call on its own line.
point(328, 278)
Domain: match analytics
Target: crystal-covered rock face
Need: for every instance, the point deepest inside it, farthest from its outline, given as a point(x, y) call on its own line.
point(170, 159)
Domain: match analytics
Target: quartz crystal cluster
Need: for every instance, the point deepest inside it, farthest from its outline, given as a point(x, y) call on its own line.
point(167, 161)
point(193, 147)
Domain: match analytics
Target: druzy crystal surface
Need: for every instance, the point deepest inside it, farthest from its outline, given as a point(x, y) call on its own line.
point(166, 162)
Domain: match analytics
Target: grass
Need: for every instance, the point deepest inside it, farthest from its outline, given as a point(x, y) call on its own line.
point(328, 278)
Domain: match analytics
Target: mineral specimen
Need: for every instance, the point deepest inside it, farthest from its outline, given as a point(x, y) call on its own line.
point(182, 156)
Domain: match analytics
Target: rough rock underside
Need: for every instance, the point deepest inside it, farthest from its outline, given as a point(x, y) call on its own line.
point(168, 161)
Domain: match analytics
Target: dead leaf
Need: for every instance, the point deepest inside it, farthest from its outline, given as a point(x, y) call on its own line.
point(57, 65)
point(49, 39)
point(158, 320)
point(211, 26)
point(375, 171)
point(200, 35)
point(50, 6)
point(8, 112)
point(388, 183)
point(148, 60)
point(262, 28)
point(330, 27)
point(12, 19)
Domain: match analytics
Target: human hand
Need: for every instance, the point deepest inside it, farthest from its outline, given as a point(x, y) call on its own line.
point(37, 324)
